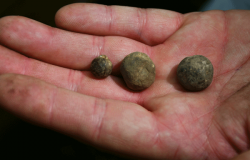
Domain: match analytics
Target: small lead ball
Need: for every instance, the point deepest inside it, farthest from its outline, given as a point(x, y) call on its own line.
point(195, 73)
point(101, 67)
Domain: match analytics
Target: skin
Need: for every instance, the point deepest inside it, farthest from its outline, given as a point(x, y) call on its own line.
point(54, 87)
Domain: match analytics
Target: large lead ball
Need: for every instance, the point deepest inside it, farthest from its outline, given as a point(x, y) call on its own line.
point(195, 73)
point(138, 71)
point(101, 67)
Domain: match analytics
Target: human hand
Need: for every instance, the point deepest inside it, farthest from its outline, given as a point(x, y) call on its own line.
point(161, 122)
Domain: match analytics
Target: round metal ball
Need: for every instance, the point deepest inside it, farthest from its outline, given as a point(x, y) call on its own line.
point(195, 73)
point(101, 67)
point(138, 71)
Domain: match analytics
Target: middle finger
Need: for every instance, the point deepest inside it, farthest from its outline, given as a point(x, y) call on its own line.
point(83, 82)
point(64, 48)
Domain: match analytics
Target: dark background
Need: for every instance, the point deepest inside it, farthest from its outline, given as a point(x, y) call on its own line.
point(44, 10)
point(22, 140)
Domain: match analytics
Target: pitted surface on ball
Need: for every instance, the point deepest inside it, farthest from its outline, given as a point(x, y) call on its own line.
point(138, 71)
point(101, 67)
point(195, 73)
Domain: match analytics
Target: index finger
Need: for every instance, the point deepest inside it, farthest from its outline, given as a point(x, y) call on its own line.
point(150, 26)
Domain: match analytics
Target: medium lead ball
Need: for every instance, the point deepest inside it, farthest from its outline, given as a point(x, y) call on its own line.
point(195, 73)
point(101, 67)
point(138, 71)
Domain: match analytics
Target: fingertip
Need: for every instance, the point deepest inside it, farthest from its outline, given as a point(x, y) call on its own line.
point(5, 23)
point(16, 32)
point(6, 18)
point(5, 78)
point(26, 97)
point(60, 15)
point(9, 78)
point(11, 83)
point(75, 14)
point(10, 21)
point(10, 87)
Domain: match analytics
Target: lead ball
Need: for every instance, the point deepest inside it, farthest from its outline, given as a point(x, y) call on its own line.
point(195, 73)
point(138, 71)
point(101, 67)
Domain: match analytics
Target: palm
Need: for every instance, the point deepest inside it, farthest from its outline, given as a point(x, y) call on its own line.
point(163, 121)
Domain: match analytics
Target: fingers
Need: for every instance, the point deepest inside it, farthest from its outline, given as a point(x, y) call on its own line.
point(82, 82)
point(63, 48)
point(150, 26)
point(117, 125)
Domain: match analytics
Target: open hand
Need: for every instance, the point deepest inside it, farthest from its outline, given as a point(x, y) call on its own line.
point(51, 84)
